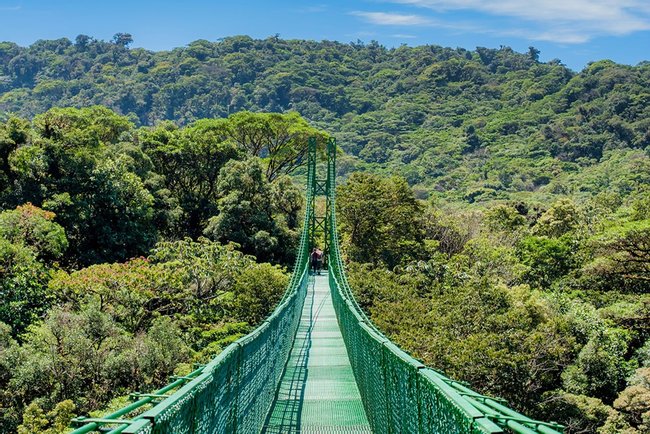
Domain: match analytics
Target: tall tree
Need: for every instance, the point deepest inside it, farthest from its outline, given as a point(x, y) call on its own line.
point(249, 212)
point(123, 39)
point(75, 169)
point(280, 139)
point(190, 161)
point(381, 219)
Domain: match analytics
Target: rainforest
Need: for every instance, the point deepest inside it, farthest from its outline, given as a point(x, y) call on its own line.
point(493, 209)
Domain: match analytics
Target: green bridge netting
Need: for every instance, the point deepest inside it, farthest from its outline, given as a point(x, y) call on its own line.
point(399, 393)
point(236, 391)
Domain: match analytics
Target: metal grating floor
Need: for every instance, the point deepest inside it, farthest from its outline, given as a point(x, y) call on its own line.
point(318, 393)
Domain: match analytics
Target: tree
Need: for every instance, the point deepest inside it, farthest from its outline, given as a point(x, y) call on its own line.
point(33, 227)
point(505, 218)
point(121, 327)
point(257, 290)
point(34, 420)
point(448, 233)
point(578, 413)
point(113, 205)
point(10, 415)
point(55, 422)
point(634, 401)
point(82, 41)
point(85, 357)
point(132, 293)
point(621, 257)
point(380, 218)
point(23, 284)
point(561, 218)
point(279, 139)
point(13, 134)
point(122, 39)
point(467, 288)
point(548, 259)
point(403, 224)
point(76, 171)
point(87, 127)
point(600, 369)
point(288, 201)
point(29, 242)
point(247, 214)
point(190, 161)
point(361, 209)
point(505, 341)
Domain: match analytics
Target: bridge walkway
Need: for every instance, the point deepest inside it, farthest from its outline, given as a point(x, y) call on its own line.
point(318, 392)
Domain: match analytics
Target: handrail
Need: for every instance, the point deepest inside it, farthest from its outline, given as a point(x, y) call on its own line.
point(234, 391)
point(400, 394)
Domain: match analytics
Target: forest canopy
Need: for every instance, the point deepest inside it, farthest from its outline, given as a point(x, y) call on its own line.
point(493, 209)
point(127, 254)
point(466, 125)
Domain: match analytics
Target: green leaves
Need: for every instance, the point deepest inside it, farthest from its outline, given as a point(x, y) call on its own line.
point(381, 220)
point(127, 326)
point(548, 259)
point(33, 227)
point(623, 256)
point(106, 192)
point(279, 139)
point(23, 286)
point(600, 368)
point(85, 357)
point(524, 302)
point(254, 214)
point(29, 244)
point(257, 290)
point(201, 164)
point(85, 127)
point(560, 219)
point(74, 168)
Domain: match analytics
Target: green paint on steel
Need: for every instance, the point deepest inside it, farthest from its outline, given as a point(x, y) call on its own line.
point(318, 392)
point(399, 393)
point(316, 365)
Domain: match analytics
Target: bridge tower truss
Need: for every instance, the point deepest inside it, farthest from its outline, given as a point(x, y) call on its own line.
point(320, 220)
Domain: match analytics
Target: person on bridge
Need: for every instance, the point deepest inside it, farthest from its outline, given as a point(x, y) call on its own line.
point(316, 260)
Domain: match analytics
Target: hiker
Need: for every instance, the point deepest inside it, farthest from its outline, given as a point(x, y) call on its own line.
point(319, 260)
point(315, 257)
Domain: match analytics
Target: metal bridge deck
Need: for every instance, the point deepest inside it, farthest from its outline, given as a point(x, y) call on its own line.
point(318, 393)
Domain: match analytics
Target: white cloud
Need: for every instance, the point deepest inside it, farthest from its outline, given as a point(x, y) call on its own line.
point(568, 21)
point(403, 36)
point(391, 19)
point(10, 8)
point(361, 34)
point(562, 36)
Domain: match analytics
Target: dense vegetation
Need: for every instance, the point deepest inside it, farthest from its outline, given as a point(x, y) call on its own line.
point(512, 253)
point(548, 307)
point(128, 254)
point(465, 125)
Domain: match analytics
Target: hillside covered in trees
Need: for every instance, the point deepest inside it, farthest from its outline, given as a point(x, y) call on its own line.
point(153, 224)
point(467, 125)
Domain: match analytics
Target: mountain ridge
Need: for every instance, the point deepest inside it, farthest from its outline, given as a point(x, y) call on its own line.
point(469, 126)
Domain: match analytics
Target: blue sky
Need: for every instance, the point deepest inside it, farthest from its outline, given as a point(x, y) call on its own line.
point(574, 31)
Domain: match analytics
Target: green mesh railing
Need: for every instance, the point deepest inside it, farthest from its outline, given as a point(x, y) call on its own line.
point(400, 394)
point(234, 392)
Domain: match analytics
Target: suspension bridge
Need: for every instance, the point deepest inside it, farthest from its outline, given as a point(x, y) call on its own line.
point(317, 364)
